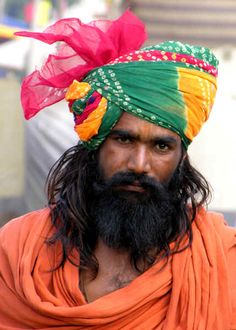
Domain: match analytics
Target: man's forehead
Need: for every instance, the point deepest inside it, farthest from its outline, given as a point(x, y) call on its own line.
point(136, 126)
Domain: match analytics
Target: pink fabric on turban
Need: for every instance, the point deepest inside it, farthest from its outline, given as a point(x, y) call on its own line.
point(83, 48)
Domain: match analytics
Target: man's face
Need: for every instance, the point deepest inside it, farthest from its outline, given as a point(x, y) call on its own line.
point(138, 146)
point(132, 206)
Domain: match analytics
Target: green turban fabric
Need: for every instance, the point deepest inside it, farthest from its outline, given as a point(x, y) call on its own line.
point(171, 84)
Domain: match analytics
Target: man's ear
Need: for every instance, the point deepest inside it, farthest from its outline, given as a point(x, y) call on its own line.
point(183, 154)
point(183, 157)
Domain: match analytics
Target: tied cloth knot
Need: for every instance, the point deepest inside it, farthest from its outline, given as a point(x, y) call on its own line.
point(88, 107)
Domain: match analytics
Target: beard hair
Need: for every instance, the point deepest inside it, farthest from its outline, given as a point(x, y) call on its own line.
point(138, 222)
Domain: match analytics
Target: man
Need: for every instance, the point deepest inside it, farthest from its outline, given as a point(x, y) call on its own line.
point(126, 242)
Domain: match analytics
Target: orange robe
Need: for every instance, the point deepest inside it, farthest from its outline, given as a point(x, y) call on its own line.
point(195, 291)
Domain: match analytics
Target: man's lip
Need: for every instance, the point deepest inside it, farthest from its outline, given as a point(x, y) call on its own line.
point(132, 187)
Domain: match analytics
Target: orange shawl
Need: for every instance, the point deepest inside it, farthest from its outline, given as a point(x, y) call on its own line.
point(196, 290)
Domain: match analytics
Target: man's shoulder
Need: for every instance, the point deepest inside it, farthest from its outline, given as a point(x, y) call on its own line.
point(28, 218)
point(217, 219)
point(20, 228)
point(216, 222)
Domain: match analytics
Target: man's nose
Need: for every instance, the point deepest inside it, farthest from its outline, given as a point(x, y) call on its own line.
point(139, 160)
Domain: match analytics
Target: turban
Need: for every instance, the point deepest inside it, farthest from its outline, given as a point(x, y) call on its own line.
point(101, 70)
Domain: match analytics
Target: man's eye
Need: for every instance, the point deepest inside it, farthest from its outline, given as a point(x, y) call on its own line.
point(123, 139)
point(162, 146)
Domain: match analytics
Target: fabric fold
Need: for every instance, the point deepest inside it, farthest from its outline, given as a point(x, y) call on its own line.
point(193, 289)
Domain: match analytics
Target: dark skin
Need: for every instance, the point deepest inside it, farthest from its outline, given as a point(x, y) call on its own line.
point(138, 146)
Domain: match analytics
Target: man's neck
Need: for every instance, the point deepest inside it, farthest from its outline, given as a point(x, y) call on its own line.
point(110, 258)
point(114, 272)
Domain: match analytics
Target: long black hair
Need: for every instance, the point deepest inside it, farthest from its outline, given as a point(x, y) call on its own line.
point(69, 196)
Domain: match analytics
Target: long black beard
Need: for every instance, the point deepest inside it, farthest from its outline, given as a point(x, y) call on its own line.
point(138, 222)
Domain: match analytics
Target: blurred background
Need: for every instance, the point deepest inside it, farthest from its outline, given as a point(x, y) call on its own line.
point(28, 149)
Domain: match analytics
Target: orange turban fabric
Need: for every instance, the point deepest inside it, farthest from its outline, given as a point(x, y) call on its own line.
point(196, 290)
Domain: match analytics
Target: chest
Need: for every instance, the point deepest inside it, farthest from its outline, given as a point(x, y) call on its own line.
point(105, 283)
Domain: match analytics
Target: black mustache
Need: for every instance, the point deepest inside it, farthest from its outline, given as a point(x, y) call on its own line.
point(128, 178)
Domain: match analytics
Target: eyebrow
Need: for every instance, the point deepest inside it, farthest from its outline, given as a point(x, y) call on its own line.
point(163, 138)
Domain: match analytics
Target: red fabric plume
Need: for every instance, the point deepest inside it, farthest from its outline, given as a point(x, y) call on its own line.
point(83, 48)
